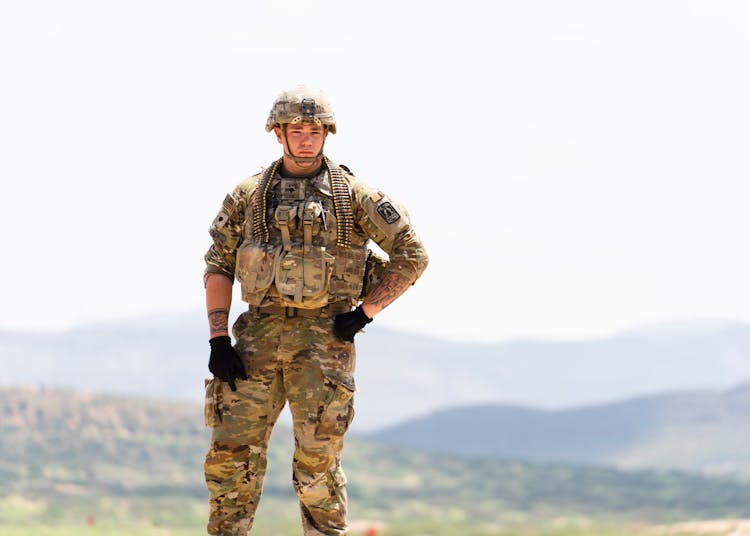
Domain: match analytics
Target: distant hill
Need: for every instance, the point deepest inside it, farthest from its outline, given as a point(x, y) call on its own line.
point(400, 376)
point(698, 431)
point(65, 451)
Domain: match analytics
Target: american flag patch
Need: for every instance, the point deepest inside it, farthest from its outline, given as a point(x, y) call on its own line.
point(229, 204)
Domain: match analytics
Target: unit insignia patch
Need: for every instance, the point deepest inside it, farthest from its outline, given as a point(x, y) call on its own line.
point(388, 212)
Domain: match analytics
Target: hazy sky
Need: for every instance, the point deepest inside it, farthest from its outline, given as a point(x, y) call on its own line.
point(574, 167)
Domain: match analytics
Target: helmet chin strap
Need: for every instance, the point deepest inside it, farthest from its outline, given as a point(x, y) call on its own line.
point(300, 160)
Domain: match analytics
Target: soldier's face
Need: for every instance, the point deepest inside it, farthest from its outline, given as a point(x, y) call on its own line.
point(303, 139)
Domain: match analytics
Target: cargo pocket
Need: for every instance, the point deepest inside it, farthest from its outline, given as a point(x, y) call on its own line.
point(213, 404)
point(255, 270)
point(337, 412)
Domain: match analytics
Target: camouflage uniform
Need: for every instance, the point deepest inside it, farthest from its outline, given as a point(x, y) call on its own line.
point(300, 253)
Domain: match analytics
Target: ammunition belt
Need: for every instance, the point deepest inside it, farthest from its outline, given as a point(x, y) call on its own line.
point(342, 204)
point(260, 203)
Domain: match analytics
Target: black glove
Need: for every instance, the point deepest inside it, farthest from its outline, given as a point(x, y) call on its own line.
point(346, 325)
point(224, 362)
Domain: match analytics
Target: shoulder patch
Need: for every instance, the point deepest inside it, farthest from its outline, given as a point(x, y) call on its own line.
point(388, 212)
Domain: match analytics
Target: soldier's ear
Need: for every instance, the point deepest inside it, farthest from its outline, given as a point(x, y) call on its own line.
point(277, 131)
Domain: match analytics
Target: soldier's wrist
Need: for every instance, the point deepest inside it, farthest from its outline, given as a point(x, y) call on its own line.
point(368, 311)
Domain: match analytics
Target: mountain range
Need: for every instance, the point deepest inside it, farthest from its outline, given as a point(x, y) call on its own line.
point(400, 376)
point(700, 431)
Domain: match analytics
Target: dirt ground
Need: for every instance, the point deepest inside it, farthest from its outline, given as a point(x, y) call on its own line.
point(717, 527)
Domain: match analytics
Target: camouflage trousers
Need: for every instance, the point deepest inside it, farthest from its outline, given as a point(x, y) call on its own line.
point(301, 361)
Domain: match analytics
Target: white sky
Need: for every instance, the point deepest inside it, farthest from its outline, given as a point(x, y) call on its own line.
point(574, 167)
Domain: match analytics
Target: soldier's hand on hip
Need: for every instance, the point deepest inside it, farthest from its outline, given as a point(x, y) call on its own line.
point(346, 325)
point(224, 362)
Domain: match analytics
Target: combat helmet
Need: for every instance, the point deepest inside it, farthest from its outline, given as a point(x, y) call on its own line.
point(301, 104)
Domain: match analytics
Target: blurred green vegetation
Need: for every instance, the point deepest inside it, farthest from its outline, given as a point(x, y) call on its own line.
point(134, 466)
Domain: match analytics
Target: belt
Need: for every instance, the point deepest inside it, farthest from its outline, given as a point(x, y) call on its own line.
point(326, 311)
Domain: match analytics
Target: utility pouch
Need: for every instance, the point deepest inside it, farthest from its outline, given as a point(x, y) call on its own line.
point(213, 403)
point(302, 277)
point(349, 272)
point(311, 216)
point(375, 267)
point(337, 413)
point(255, 270)
point(285, 218)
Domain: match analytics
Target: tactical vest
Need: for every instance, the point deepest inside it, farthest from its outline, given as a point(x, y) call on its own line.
point(299, 248)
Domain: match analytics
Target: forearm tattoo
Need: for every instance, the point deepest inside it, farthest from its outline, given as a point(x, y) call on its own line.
point(218, 320)
point(391, 287)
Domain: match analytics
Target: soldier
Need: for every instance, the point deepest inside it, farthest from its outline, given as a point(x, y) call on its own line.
point(295, 236)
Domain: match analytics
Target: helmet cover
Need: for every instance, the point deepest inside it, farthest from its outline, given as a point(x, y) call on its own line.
point(301, 104)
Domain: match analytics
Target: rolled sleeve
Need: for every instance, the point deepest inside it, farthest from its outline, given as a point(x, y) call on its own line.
point(408, 257)
point(226, 233)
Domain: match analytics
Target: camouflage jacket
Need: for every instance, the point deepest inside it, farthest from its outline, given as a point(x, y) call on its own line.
point(311, 247)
